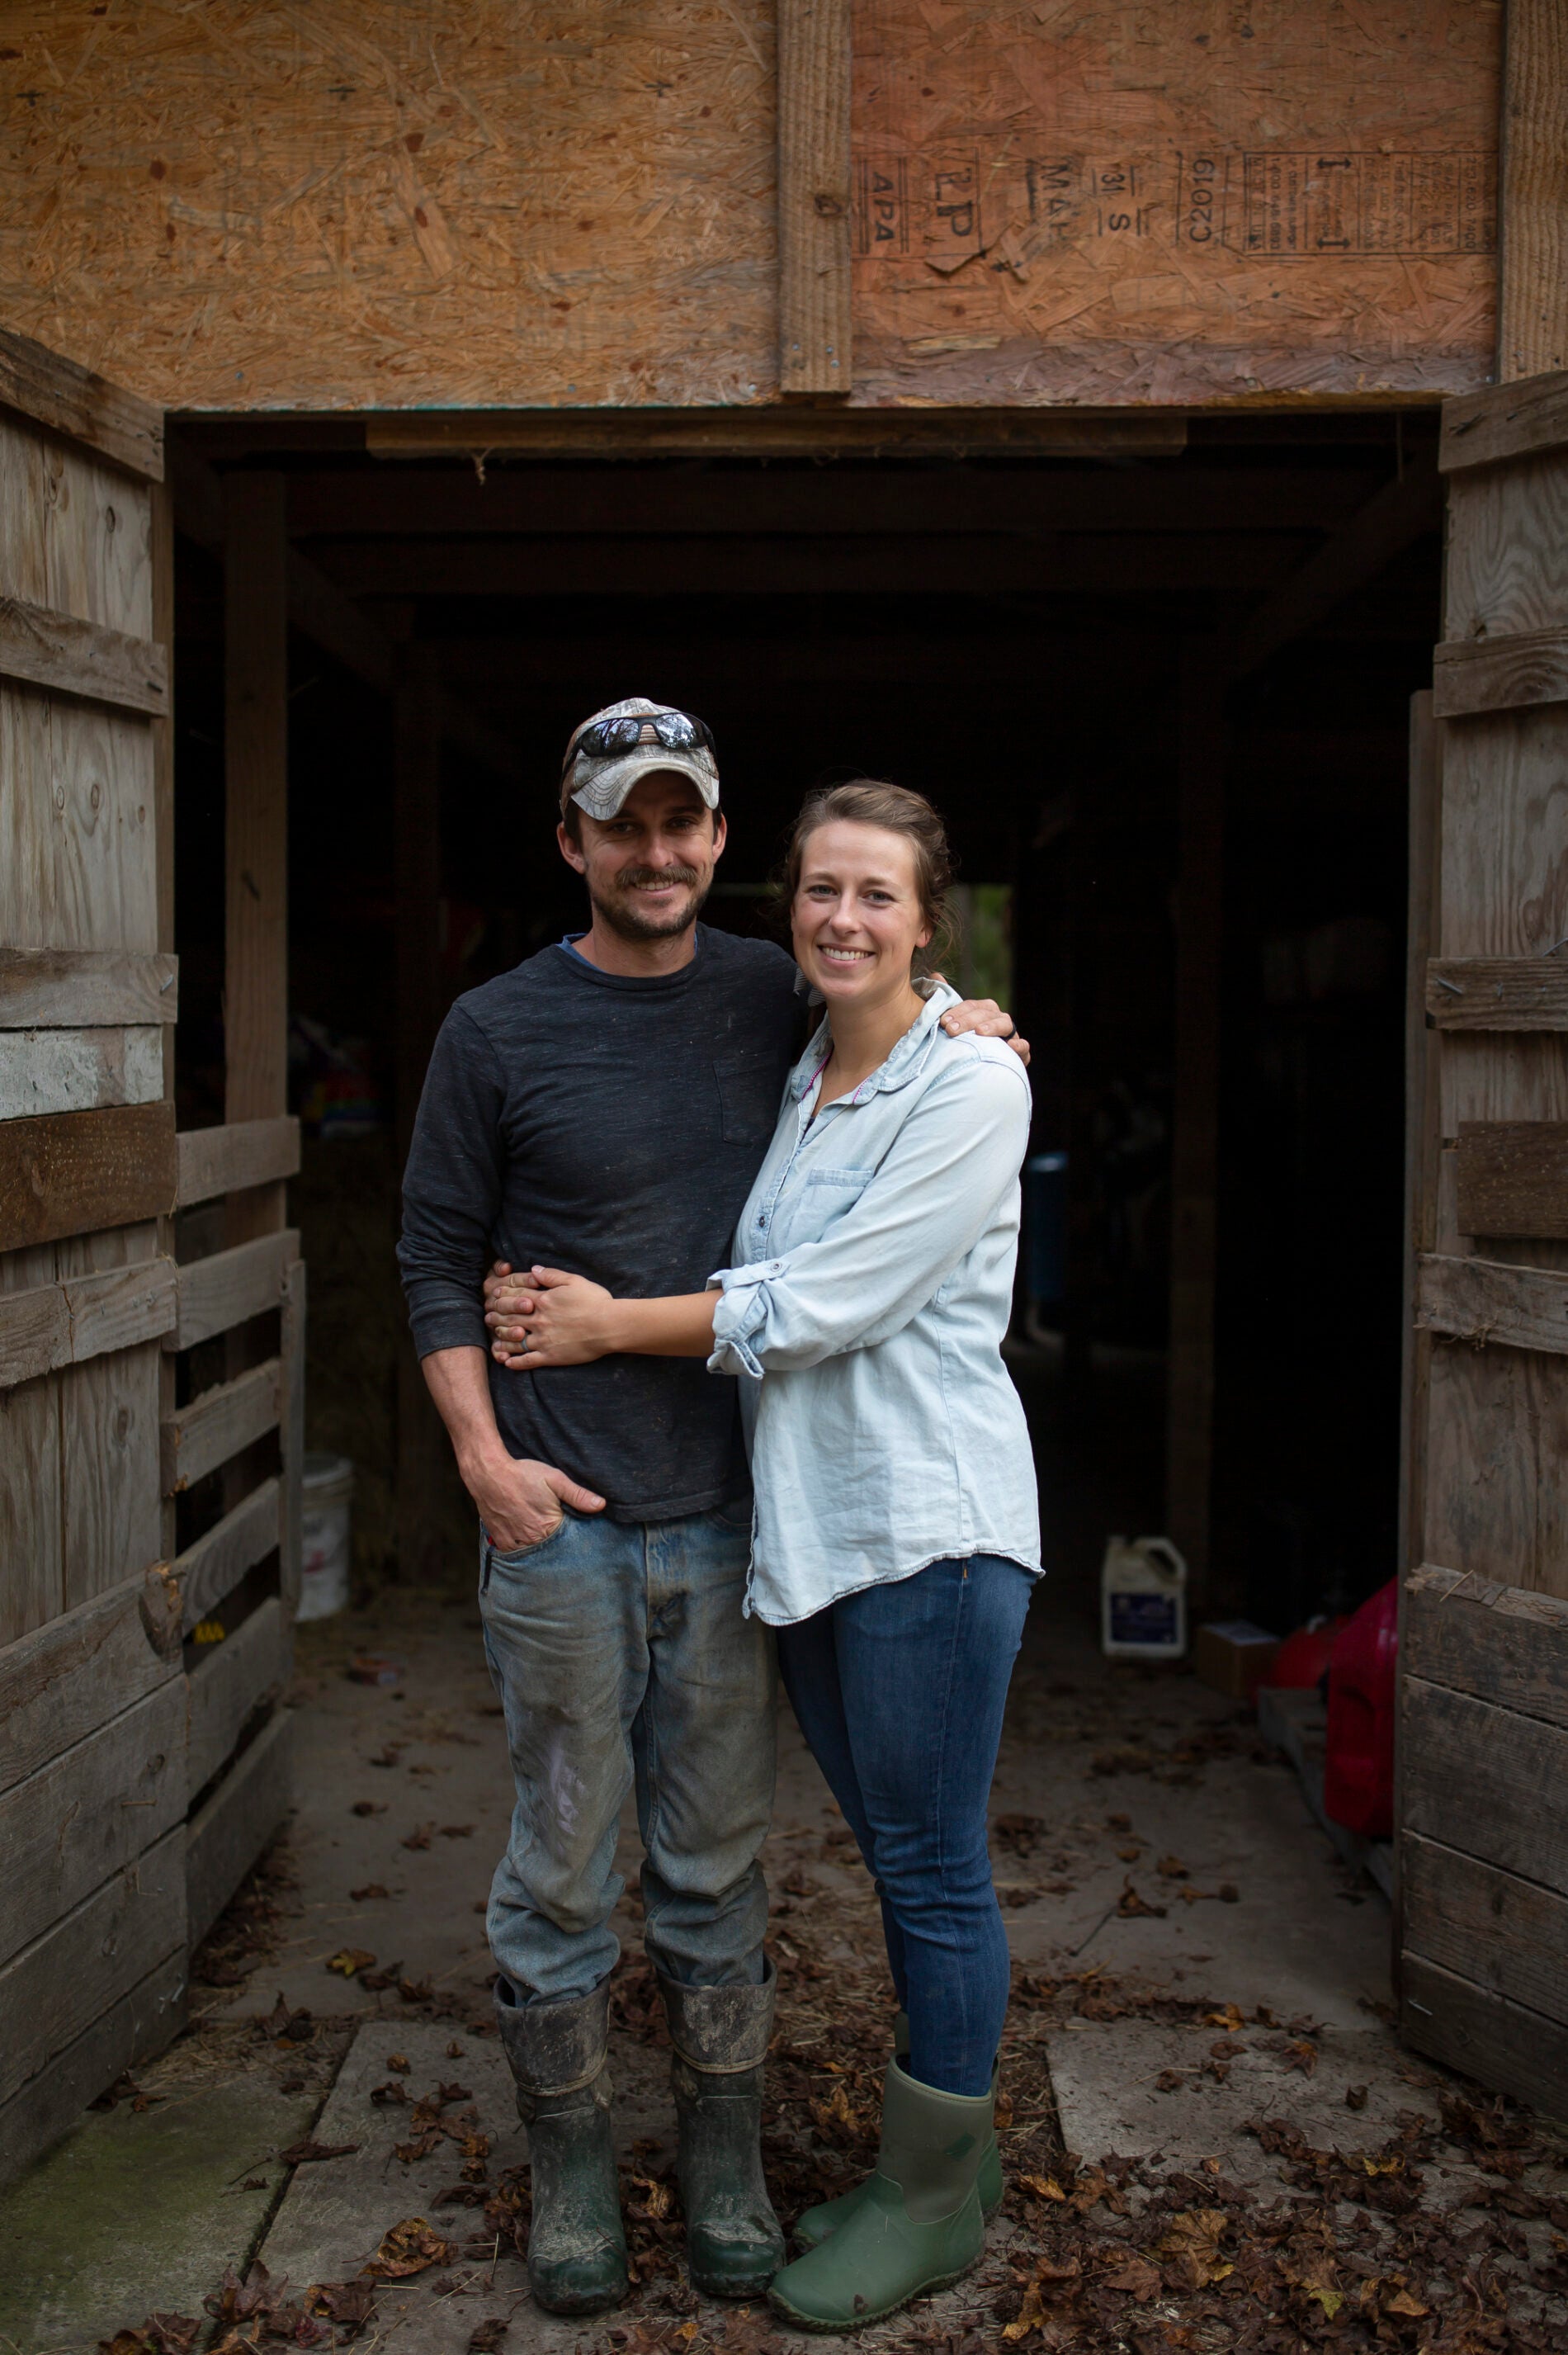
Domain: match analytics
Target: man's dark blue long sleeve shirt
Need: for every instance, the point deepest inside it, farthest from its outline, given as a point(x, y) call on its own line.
point(577, 1119)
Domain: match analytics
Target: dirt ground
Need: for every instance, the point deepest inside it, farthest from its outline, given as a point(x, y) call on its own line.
point(1213, 2138)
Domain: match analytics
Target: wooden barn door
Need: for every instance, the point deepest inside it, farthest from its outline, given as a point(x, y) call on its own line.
point(139, 1772)
point(1484, 1730)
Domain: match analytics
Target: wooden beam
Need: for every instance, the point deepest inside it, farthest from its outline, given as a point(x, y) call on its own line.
point(58, 1988)
point(72, 1173)
point(1479, 1921)
point(91, 1811)
point(67, 1677)
point(1505, 1645)
point(79, 1071)
point(1486, 1780)
point(66, 1324)
point(225, 1839)
point(291, 1451)
point(1513, 1178)
point(86, 408)
point(226, 1684)
point(1503, 674)
point(1505, 421)
point(617, 501)
point(239, 1155)
point(1404, 509)
point(231, 1287)
point(135, 2025)
point(68, 657)
point(1507, 2048)
point(770, 432)
point(69, 989)
point(319, 610)
point(256, 760)
point(1483, 1300)
point(1532, 274)
point(216, 1564)
point(256, 968)
point(416, 859)
point(1497, 994)
point(196, 1439)
point(858, 565)
point(1201, 788)
point(814, 210)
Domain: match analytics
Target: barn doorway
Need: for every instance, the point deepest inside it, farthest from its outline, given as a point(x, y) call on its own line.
point(1162, 695)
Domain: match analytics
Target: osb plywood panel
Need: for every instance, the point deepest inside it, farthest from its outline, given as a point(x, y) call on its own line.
point(392, 203)
point(1223, 199)
point(383, 203)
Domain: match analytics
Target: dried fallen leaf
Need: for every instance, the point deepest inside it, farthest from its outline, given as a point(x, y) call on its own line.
point(456, 1831)
point(368, 1888)
point(398, 2061)
point(1171, 1868)
point(487, 2336)
point(1191, 2242)
point(1232, 2018)
point(420, 1838)
point(410, 2247)
point(1355, 2097)
point(368, 1808)
point(1135, 2277)
point(1045, 2186)
point(350, 1960)
point(1130, 1905)
point(349, 2304)
point(305, 2154)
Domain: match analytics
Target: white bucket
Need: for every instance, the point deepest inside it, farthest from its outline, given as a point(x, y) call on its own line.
point(324, 1568)
point(1143, 1601)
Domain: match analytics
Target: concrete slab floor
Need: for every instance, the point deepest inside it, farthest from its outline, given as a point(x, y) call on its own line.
point(1192, 1958)
point(143, 2206)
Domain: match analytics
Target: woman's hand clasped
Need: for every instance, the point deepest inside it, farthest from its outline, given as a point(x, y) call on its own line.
point(546, 1317)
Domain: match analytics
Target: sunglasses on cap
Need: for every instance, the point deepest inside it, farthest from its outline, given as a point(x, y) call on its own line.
point(602, 738)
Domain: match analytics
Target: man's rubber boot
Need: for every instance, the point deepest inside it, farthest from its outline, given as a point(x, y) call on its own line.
point(916, 2227)
point(733, 2244)
point(814, 2224)
point(577, 2242)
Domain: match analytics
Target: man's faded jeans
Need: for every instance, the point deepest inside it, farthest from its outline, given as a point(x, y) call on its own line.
point(620, 1654)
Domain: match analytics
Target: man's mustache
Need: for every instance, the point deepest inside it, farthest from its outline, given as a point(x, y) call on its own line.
point(631, 878)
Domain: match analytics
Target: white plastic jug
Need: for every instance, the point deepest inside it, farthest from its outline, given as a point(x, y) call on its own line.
point(326, 1533)
point(1143, 1599)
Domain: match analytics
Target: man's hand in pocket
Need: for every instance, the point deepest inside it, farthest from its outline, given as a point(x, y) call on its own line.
point(520, 1501)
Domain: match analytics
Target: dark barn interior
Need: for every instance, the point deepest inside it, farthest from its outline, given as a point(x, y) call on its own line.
point(1163, 702)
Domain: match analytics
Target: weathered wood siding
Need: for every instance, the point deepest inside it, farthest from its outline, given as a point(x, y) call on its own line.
point(1483, 1745)
point(373, 204)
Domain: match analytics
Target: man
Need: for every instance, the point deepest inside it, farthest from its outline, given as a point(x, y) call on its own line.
point(605, 1107)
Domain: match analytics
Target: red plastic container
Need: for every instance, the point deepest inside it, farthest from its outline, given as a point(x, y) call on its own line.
point(1302, 1660)
point(1358, 1770)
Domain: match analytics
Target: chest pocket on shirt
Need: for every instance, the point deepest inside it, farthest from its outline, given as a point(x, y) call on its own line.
point(821, 1202)
point(748, 1088)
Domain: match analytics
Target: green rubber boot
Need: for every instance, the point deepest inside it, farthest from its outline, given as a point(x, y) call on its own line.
point(814, 2224)
point(734, 2245)
point(917, 2226)
point(577, 2243)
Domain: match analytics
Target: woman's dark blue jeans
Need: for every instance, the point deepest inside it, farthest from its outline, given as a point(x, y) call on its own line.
point(900, 1689)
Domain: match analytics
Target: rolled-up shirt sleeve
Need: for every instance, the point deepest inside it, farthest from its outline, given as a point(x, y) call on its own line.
point(918, 1218)
point(451, 1189)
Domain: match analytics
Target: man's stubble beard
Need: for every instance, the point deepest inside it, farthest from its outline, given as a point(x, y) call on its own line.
point(624, 917)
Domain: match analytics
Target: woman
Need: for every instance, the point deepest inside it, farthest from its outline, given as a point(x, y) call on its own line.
point(896, 1535)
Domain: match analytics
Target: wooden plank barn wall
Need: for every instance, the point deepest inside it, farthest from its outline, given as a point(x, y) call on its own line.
point(140, 1772)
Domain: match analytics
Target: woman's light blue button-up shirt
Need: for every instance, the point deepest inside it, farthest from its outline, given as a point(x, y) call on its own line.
point(874, 1290)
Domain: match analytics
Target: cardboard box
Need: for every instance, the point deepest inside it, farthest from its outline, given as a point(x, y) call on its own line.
point(1233, 1656)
